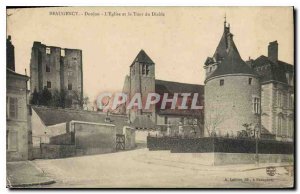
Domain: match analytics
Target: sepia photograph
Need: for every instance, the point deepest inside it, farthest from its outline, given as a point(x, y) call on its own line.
point(150, 97)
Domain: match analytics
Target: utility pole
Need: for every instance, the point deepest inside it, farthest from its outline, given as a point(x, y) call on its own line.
point(257, 131)
point(256, 150)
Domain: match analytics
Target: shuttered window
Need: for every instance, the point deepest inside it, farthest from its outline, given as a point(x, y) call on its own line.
point(13, 108)
point(12, 140)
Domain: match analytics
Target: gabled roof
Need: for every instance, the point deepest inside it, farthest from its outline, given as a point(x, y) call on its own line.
point(170, 87)
point(142, 57)
point(232, 62)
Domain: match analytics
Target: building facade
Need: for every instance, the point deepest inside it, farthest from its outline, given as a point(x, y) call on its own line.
point(257, 93)
point(18, 133)
point(18, 130)
point(56, 69)
point(277, 86)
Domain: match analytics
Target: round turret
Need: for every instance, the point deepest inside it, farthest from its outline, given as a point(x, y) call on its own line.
point(232, 95)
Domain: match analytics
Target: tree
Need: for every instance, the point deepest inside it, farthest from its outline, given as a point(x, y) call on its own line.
point(45, 97)
point(212, 122)
point(34, 100)
point(79, 99)
point(56, 99)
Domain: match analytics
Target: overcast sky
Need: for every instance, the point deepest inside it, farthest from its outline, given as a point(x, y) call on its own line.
point(178, 42)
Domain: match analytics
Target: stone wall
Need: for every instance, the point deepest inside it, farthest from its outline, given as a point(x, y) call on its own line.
point(49, 151)
point(221, 151)
point(94, 138)
point(229, 106)
point(63, 139)
point(42, 133)
point(64, 68)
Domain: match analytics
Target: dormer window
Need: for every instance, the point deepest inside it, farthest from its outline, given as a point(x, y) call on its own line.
point(221, 82)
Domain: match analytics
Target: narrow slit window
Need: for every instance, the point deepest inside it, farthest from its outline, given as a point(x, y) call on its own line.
point(250, 81)
point(47, 68)
point(69, 86)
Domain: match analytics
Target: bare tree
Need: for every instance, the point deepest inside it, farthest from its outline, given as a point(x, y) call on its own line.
point(212, 121)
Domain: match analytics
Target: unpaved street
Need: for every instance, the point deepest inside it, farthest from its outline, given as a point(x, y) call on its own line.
point(143, 168)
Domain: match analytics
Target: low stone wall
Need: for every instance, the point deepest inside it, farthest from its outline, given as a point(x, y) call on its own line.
point(63, 139)
point(160, 143)
point(36, 153)
point(224, 151)
point(220, 145)
point(246, 158)
point(49, 151)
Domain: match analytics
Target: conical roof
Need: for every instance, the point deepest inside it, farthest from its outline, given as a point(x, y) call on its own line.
point(221, 52)
point(232, 62)
point(142, 57)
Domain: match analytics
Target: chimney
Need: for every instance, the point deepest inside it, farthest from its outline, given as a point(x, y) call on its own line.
point(10, 54)
point(273, 51)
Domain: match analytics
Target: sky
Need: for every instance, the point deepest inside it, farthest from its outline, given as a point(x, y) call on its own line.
point(178, 40)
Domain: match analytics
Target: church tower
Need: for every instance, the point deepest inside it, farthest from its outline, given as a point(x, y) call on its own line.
point(142, 81)
point(232, 91)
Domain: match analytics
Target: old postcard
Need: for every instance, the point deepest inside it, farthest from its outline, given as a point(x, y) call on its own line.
point(150, 97)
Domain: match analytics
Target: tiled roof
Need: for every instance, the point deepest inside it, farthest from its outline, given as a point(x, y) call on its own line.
point(52, 116)
point(9, 71)
point(220, 52)
point(143, 121)
point(270, 71)
point(170, 87)
point(232, 63)
point(142, 57)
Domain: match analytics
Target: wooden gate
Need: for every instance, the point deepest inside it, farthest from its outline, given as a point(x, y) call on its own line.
point(120, 142)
